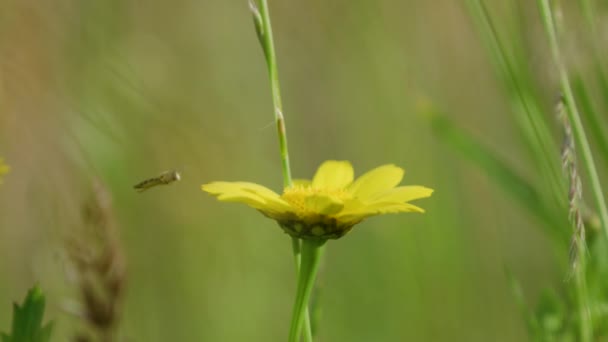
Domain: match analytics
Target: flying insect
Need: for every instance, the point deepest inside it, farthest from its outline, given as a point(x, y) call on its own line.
point(164, 178)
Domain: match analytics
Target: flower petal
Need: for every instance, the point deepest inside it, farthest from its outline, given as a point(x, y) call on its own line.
point(217, 188)
point(403, 194)
point(248, 198)
point(257, 189)
point(378, 180)
point(323, 204)
point(378, 209)
point(333, 174)
point(252, 194)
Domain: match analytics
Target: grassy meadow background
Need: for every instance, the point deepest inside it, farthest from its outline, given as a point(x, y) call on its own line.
point(122, 90)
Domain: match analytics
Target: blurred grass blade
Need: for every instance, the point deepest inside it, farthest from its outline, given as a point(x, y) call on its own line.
point(595, 124)
point(588, 9)
point(27, 320)
point(546, 13)
point(601, 79)
point(511, 68)
point(501, 173)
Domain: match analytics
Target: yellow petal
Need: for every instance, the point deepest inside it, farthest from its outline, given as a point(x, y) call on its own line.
point(403, 194)
point(378, 209)
point(323, 204)
point(272, 198)
point(257, 189)
point(333, 174)
point(378, 180)
point(353, 204)
point(248, 198)
point(217, 188)
point(252, 194)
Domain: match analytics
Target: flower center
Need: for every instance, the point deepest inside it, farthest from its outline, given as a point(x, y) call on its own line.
point(309, 223)
point(296, 195)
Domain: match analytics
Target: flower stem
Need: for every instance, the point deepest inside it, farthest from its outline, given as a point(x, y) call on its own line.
point(574, 116)
point(312, 250)
point(267, 42)
point(297, 253)
point(261, 19)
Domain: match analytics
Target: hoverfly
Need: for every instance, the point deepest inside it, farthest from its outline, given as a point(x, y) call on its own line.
point(164, 178)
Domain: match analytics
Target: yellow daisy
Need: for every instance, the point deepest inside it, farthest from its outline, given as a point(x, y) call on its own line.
point(331, 204)
point(4, 169)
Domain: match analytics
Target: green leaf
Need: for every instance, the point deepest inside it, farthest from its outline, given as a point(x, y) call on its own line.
point(27, 320)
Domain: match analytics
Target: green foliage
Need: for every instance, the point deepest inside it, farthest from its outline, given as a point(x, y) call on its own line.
point(577, 312)
point(27, 320)
point(552, 317)
point(514, 73)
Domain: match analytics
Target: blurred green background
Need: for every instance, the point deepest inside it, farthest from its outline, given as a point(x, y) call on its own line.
point(123, 90)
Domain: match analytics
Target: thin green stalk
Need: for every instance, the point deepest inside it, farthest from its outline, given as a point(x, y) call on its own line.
point(594, 120)
point(273, 73)
point(297, 253)
point(261, 19)
point(574, 116)
point(312, 250)
point(582, 293)
point(578, 248)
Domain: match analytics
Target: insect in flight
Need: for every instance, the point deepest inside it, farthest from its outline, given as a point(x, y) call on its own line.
point(164, 178)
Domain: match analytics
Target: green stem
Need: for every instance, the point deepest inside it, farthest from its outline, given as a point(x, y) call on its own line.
point(312, 250)
point(297, 253)
point(261, 19)
point(586, 326)
point(574, 117)
point(273, 73)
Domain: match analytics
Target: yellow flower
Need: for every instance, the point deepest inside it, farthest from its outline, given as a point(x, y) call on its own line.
point(4, 169)
point(331, 204)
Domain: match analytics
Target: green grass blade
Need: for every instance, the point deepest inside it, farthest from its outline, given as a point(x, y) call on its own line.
point(501, 173)
point(574, 116)
point(595, 124)
point(513, 73)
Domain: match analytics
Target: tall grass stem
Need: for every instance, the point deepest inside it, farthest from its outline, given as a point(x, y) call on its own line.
point(574, 116)
point(518, 83)
point(578, 248)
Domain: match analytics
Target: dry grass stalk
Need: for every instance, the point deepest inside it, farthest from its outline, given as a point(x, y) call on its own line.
point(575, 202)
point(100, 268)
